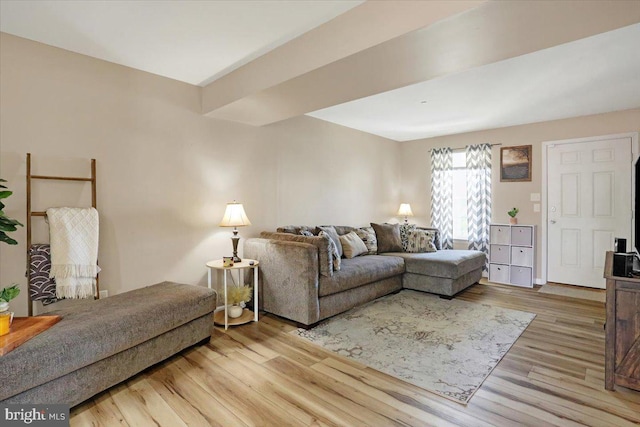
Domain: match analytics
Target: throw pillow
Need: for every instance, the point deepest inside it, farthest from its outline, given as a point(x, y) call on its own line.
point(306, 233)
point(333, 234)
point(404, 231)
point(352, 245)
point(421, 241)
point(388, 236)
point(337, 261)
point(368, 236)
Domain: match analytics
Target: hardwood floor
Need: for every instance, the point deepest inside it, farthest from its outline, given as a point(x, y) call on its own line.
point(258, 374)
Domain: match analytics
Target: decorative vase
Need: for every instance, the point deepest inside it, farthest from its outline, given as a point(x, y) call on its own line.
point(513, 221)
point(235, 311)
point(6, 318)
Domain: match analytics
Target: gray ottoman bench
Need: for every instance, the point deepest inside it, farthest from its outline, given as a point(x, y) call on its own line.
point(104, 342)
point(445, 272)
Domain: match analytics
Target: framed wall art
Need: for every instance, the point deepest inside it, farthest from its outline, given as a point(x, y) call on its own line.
point(515, 163)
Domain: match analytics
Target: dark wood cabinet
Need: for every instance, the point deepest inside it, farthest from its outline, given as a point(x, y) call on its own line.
point(622, 348)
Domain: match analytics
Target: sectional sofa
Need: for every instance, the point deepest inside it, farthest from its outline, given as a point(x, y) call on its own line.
point(297, 280)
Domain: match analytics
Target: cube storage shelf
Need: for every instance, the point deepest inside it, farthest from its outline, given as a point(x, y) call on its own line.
point(512, 254)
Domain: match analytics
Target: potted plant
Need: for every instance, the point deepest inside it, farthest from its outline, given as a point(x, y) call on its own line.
point(512, 213)
point(237, 296)
point(7, 225)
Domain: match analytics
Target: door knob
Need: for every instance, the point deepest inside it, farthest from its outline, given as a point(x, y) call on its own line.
point(553, 221)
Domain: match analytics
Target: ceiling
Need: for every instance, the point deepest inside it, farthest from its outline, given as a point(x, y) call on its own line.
point(401, 70)
point(191, 41)
point(594, 75)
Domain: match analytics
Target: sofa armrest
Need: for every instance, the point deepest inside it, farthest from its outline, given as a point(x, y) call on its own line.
point(288, 277)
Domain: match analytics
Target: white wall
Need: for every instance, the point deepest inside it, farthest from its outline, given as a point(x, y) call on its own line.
point(416, 174)
point(165, 172)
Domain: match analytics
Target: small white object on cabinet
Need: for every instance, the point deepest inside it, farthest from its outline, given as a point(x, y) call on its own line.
point(512, 254)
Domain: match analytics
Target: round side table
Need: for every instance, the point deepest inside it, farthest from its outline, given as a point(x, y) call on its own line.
point(223, 319)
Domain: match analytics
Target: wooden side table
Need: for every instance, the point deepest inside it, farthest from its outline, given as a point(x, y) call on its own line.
point(246, 315)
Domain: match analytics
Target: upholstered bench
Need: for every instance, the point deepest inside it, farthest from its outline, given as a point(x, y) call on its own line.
point(104, 342)
point(444, 272)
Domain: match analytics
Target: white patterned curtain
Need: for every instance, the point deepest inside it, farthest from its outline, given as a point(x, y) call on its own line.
point(442, 194)
point(479, 197)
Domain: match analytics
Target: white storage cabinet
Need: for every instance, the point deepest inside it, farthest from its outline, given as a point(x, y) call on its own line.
point(512, 254)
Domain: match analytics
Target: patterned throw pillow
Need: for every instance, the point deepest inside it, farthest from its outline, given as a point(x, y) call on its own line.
point(404, 235)
point(421, 241)
point(368, 236)
point(337, 261)
point(306, 233)
point(333, 234)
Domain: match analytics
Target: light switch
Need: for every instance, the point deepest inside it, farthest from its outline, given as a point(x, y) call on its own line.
point(536, 207)
point(535, 197)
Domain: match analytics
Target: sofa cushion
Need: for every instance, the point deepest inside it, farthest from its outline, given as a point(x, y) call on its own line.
point(99, 329)
point(450, 263)
point(368, 236)
point(333, 234)
point(421, 241)
point(297, 229)
point(352, 245)
point(388, 236)
point(360, 271)
point(405, 229)
point(325, 256)
point(337, 260)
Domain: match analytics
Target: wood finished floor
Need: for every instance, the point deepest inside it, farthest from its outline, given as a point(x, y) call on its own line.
point(258, 375)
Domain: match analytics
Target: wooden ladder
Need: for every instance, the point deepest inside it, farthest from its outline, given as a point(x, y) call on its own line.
point(31, 214)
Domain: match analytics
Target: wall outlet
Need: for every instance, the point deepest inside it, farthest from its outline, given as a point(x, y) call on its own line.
point(104, 294)
point(535, 197)
point(536, 207)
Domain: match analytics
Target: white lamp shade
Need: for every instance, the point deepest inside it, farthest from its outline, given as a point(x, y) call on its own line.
point(405, 210)
point(234, 216)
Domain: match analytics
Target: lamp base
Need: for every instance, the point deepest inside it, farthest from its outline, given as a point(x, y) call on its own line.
point(235, 239)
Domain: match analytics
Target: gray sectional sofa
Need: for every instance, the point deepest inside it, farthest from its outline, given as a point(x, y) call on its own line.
point(104, 342)
point(298, 283)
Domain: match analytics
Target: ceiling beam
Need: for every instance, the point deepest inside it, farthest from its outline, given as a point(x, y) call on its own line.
point(362, 27)
point(489, 33)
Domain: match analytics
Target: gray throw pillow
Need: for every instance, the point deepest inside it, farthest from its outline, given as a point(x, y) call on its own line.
point(337, 261)
point(333, 234)
point(388, 236)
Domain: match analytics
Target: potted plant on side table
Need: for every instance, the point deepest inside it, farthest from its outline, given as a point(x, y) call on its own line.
point(7, 225)
point(237, 296)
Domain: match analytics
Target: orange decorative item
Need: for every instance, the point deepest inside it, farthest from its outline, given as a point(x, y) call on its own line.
point(6, 319)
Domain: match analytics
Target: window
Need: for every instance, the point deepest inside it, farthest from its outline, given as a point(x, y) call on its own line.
point(460, 229)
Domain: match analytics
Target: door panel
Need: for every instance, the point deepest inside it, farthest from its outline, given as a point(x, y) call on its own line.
point(588, 204)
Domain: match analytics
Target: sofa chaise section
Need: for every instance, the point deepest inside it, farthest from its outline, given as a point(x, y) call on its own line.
point(444, 272)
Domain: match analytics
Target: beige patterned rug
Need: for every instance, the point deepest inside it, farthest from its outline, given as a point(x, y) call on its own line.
point(447, 347)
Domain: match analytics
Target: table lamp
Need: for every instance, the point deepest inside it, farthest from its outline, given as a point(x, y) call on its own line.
point(235, 217)
point(405, 211)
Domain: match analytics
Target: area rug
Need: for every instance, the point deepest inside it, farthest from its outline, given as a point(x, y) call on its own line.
point(446, 347)
point(574, 292)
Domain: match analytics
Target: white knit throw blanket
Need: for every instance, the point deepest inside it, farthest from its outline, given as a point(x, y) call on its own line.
point(73, 235)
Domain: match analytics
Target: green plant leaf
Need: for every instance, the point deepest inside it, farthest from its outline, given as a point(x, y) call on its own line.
point(6, 239)
point(9, 293)
point(5, 194)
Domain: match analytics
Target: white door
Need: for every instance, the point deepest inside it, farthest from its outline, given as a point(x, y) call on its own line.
point(588, 205)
